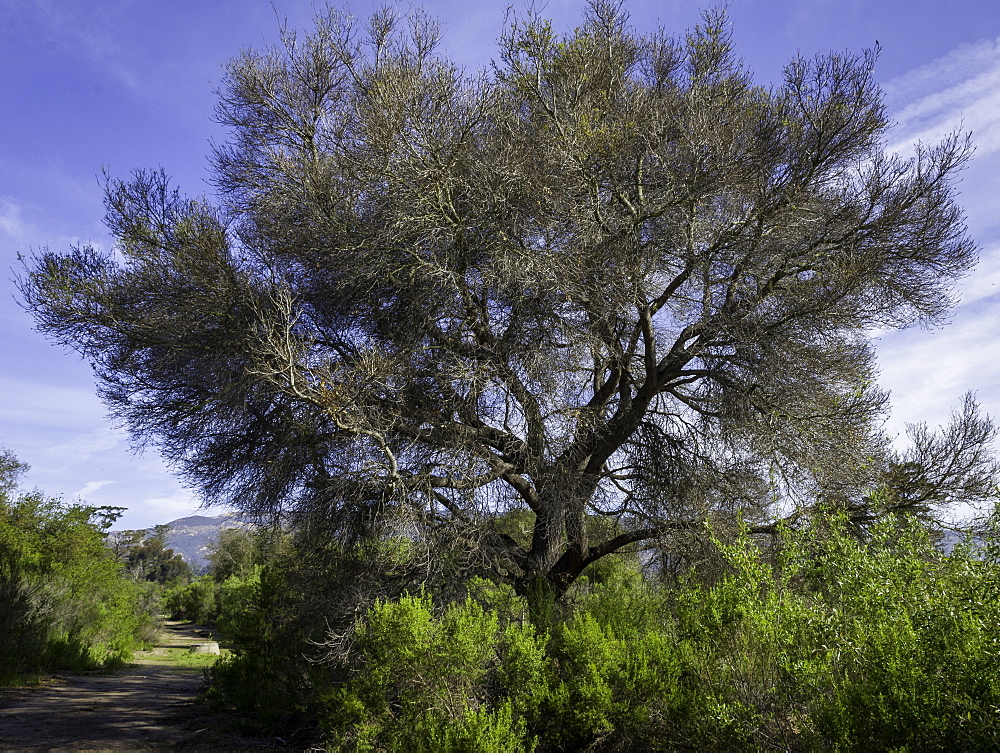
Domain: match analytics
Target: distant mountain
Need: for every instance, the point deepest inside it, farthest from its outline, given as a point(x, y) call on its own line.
point(194, 536)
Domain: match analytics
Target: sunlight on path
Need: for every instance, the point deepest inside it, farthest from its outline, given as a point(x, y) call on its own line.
point(148, 705)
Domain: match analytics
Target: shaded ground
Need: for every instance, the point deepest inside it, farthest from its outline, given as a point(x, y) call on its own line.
point(146, 706)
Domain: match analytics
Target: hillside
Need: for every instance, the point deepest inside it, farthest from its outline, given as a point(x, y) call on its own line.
point(192, 537)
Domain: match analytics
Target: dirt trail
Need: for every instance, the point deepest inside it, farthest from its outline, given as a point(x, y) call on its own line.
point(145, 706)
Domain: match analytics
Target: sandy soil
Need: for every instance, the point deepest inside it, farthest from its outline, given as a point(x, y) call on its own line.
point(145, 706)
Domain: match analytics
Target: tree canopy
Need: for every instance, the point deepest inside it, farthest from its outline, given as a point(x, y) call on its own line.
point(145, 556)
point(610, 283)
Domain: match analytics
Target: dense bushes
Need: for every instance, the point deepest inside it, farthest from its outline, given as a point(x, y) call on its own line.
point(826, 640)
point(194, 601)
point(64, 602)
point(252, 599)
point(417, 679)
point(859, 645)
point(826, 637)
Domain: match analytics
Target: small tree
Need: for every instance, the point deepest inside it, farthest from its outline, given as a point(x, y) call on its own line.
point(609, 277)
point(146, 556)
point(236, 553)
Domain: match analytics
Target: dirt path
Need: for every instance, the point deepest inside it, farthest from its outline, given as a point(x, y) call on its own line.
point(146, 706)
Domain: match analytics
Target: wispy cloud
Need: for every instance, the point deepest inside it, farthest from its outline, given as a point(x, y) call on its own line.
point(92, 28)
point(91, 487)
point(958, 92)
point(82, 446)
point(984, 282)
point(13, 224)
point(928, 371)
point(151, 511)
point(61, 431)
point(49, 406)
point(23, 226)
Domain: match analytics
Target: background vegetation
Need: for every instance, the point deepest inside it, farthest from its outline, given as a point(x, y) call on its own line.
point(65, 602)
point(830, 639)
point(825, 636)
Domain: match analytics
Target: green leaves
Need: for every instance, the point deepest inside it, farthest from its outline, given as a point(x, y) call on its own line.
point(858, 643)
point(826, 639)
point(64, 602)
point(418, 680)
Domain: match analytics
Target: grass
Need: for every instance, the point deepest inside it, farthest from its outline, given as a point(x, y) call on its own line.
point(178, 656)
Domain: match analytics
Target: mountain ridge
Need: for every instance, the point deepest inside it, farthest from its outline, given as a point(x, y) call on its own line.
point(193, 536)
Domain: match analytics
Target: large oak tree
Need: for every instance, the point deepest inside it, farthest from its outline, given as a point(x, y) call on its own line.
point(609, 283)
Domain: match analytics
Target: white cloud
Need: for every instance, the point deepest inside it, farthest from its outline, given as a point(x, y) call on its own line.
point(962, 63)
point(154, 510)
point(958, 92)
point(47, 404)
point(92, 28)
point(927, 372)
point(82, 445)
point(12, 222)
point(984, 282)
point(54, 428)
point(21, 233)
point(90, 488)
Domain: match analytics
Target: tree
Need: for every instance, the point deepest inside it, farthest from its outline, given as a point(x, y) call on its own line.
point(611, 278)
point(146, 556)
point(64, 603)
point(237, 553)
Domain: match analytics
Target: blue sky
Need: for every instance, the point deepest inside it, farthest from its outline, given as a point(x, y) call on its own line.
point(124, 84)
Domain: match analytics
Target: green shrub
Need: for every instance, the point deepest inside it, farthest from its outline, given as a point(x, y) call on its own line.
point(268, 677)
point(195, 601)
point(824, 639)
point(66, 602)
point(238, 614)
point(855, 643)
point(23, 622)
point(475, 678)
point(418, 681)
point(918, 638)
